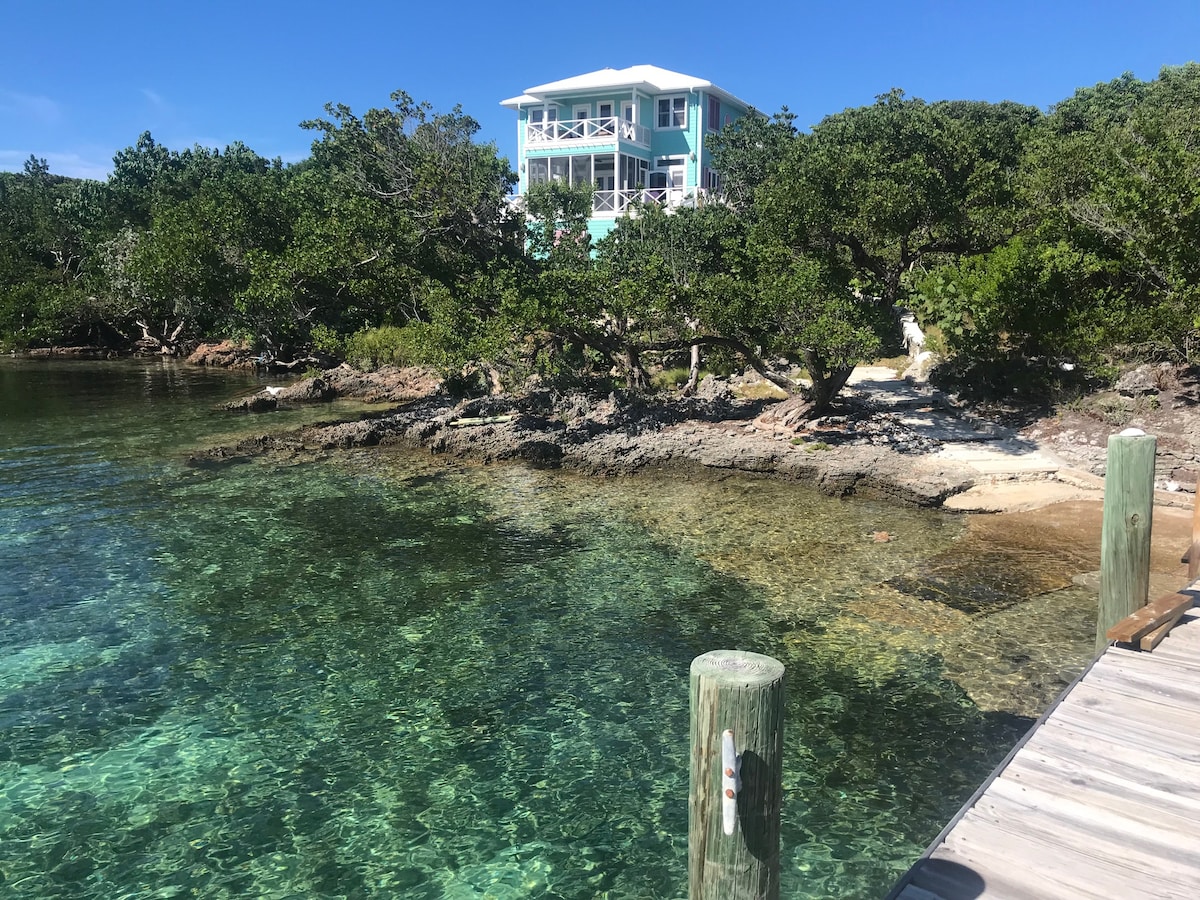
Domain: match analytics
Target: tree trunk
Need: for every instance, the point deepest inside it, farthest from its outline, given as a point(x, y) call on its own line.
point(166, 341)
point(787, 414)
point(693, 373)
point(493, 376)
point(635, 375)
point(795, 410)
point(825, 384)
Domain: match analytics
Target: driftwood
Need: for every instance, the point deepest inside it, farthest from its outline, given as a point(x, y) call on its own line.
point(167, 343)
point(481, 420)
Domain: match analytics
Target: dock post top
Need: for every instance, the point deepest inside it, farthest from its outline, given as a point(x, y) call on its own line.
point(737, 666)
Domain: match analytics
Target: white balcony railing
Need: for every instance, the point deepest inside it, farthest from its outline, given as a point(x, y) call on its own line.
point(614, 203)
point(569, 130)
point(611, 203)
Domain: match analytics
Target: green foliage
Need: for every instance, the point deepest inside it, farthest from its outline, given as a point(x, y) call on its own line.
point(748, 152)
point(1012, 234)
point(885, 189)
point(387, 345)
point(443, 194)
point(326, 340)
point(669, 379)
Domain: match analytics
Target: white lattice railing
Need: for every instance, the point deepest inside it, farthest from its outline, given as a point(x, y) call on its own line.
point(616, 202)
point(610, 203)
point(587, 129)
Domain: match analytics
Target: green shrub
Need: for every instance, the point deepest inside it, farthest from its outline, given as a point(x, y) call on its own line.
point(326, 340)
point(389, 345)
point(670, 379)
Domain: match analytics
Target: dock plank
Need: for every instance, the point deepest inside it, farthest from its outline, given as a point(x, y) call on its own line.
point(1071, 840)
point(1150, 737)
point(1150, 684)
point(1115, 769)
point(1002, 857)
point(1101, 800)
point(1121, 698)
point(1082, 817)
point(1158, 611)
point(1094, 741)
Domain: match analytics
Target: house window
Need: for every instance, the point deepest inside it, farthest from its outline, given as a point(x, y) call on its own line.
point(672, 112)
point(714, 113)
point(633, 172)
point(542, 121)
point(604, 170)
point(581, 171)
point(605, 114)
point(711, 181)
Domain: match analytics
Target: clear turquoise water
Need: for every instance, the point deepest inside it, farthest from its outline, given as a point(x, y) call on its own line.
point(381, 675)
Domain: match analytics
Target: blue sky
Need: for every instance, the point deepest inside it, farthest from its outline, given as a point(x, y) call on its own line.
point(81, 80)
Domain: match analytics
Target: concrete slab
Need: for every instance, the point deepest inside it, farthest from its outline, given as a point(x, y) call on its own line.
point(1014, 496)
point(873, 373)
point(942, 427)
point(995, 459)
point(881, 386)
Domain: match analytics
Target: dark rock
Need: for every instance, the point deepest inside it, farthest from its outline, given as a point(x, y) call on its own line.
point(853, 450)
point(1147, 379)
point(310, 390)
point(71, 352)
point(260, 402)
point(542, 454)
point(711, 388)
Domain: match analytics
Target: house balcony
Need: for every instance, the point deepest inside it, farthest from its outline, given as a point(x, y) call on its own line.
point(615, 203)
point(557, 134)
point(610, 204)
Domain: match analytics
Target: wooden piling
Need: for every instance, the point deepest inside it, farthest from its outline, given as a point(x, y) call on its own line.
point(1125, 533)
point(1194, 551)
point(742, 693)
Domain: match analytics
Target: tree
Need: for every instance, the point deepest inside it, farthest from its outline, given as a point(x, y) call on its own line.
point(1107, 261)
point(671, 272)
point(430, 223)
point(1132, 195)
point(748, 152)
point(885, 189)
point(448, 193)
point(870, 196)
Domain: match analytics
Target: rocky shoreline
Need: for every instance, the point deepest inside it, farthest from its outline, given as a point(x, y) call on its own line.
point(888, 438)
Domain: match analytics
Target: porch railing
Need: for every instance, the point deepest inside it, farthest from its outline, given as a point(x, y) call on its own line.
point(613, 203)
point(616, 202)
point(587, 129)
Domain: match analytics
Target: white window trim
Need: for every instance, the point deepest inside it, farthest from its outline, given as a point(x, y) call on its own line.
point(671, 98)
point(545, 109)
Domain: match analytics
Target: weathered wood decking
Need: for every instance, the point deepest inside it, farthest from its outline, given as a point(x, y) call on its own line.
point(1100, 800)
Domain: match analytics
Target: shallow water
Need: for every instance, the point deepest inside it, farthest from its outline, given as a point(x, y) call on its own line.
point(383, 675)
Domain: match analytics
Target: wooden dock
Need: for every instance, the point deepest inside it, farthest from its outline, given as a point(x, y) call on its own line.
point(1100, 800)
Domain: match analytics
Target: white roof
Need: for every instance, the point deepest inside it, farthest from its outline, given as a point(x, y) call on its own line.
point(651, 79)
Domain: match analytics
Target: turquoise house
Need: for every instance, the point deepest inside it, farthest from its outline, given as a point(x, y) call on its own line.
point(637, 134)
